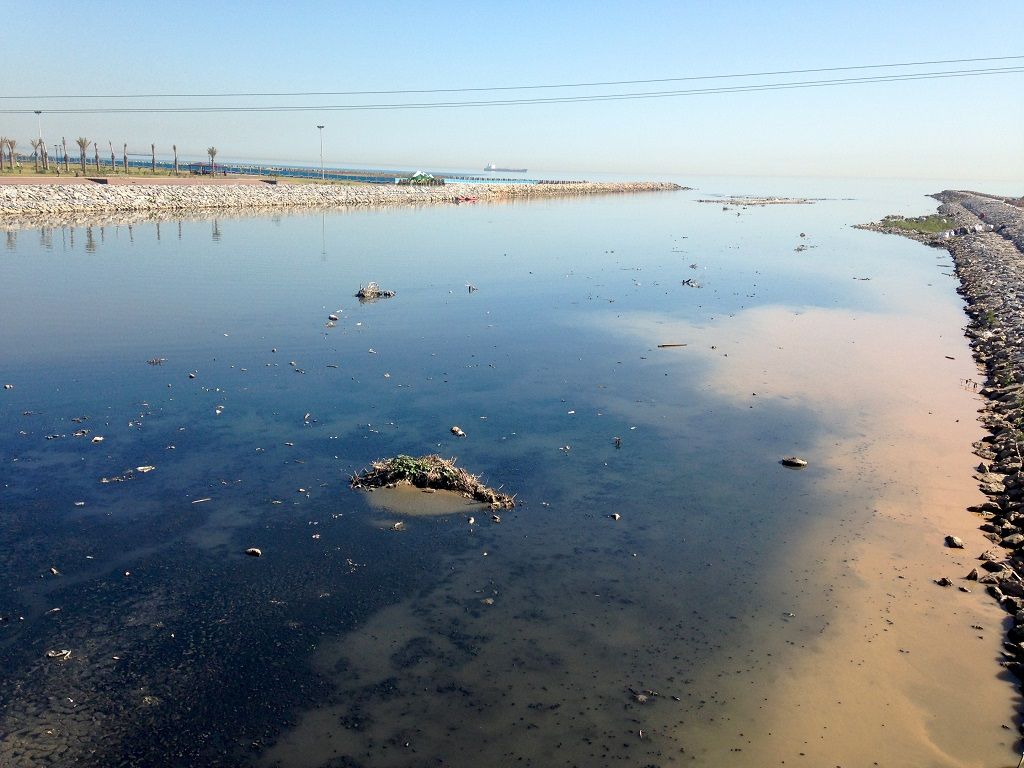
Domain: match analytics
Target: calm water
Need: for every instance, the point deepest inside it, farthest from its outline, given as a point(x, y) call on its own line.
point(349, 643)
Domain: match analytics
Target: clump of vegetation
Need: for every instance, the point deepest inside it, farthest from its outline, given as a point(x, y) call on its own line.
point(925, 225)
point(430, 472)
point(987, 319)
point(372, 291)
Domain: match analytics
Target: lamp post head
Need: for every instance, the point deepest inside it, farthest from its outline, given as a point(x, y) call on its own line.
point(320, 127)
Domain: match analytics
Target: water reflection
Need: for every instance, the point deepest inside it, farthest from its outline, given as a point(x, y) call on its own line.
point(715, 594)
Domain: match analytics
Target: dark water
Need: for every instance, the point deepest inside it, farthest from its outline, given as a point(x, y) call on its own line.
point(348, 643)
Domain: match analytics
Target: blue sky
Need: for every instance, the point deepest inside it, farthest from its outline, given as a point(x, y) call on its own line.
point(951, 128)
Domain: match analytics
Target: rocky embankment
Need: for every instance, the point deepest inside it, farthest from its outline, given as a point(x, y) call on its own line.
point(30, 204)
point(987, 246)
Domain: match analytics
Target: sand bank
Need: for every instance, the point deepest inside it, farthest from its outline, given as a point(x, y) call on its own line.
point(987, 245)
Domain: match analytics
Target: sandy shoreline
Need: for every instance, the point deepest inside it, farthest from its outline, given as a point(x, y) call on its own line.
point(52, 204)
point(987, 246)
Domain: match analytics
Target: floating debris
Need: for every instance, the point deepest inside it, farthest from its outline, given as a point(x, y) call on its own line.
point(254, 552)
point(372, 292)
point(145, 468)
point(128, 474)
point(430, 472)
point(457, 431)
point(333, 318)
point(757, 201)
point(97, 439)
point(62, 655)
point(690, 283)
point(157, 360)
point(669, 346)
point(615, 516)
point(642, 697)
point(8, 386)
point(794, 461)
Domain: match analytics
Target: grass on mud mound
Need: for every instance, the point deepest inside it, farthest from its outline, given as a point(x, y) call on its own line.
point(430, 472)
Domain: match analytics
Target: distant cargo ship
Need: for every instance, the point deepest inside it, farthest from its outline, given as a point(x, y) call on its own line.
point(493, 167)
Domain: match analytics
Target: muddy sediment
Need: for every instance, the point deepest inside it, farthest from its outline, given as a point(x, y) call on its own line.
point(987, 245)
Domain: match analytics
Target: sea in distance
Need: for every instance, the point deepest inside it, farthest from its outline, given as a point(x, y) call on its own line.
point(631, 367)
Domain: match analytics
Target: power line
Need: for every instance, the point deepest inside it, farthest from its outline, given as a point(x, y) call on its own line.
point(535, 101)
point(239, 94)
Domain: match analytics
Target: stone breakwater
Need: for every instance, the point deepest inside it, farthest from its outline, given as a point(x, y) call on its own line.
point(987, 246)
point(24, 204)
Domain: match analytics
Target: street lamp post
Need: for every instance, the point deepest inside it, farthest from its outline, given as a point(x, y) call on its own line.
point(321, 128)
point(39, 135)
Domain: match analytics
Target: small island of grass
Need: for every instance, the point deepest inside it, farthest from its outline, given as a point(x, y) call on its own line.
point(429, 472)
point(925, 225)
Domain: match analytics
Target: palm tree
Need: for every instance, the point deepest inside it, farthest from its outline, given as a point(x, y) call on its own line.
point(113, 162)
point(152, 149)
point(175, 148)
point(36, 144)
point(126, 158)
point(3, 143)
point(212, 152)
point(96, 155)
point(11, 143)
point(65, 143)
point(83, 147)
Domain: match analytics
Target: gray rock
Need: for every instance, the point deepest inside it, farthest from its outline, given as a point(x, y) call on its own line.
point(954, 542)
point(1013, 540)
